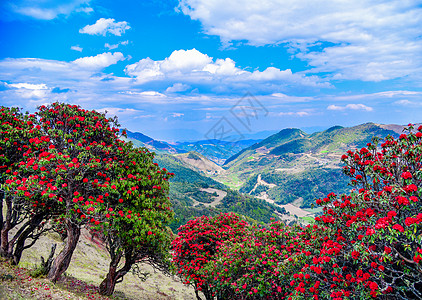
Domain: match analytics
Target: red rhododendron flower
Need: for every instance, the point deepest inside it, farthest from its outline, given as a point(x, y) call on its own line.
point(406, 175)
point(398, 227)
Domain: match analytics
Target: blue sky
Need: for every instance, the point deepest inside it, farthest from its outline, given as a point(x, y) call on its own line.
point(189, 68)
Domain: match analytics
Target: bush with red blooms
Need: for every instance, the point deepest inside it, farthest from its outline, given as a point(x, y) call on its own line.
point(198, 244)
point(78, 170)
point(69, 170)
point(263, 263)
point(367, 244)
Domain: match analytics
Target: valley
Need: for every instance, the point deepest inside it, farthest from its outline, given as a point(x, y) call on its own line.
point(282, 174)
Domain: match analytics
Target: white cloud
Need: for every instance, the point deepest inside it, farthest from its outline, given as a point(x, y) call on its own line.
point(26, 90)
point(404, 102)
point(29, 86)
point(104, 26)
point(99, 61)
point(177, 115)
point(185, 61)
point(365, 40)
point(117, 111)
point(192, 67)
point(350, 107)
point(48, 9)
point(152, 93)
point(76, 48)
point(178, 87)
point(298, 113)
point(114, 46)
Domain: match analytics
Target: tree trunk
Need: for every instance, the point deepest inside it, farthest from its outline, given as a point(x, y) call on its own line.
point(1, 212)
point(106, 287)
point(20, 244)
point(62, 261)
point(4, 234)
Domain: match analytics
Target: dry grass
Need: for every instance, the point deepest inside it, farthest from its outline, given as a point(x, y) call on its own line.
point(88, 268)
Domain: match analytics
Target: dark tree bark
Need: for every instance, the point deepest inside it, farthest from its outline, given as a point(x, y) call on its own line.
point(31, 226)
point(1, 211)
point(106, 287)
point(7, 225)
point(62, 261)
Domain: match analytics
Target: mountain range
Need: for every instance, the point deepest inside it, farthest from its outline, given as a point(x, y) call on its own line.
point(287, 170)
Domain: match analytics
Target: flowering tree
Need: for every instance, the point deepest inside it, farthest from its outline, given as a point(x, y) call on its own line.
point(198, 244)
point(70, 171)
point(136, 229)
point(263, 263)
point(16, 130)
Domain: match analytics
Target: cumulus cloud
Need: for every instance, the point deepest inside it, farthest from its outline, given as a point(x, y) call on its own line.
point(104, 26)
point(26, 90)
point(48, 9)
point(350, 107)
point(365, 40)
point(190, 67)
point(99, 61)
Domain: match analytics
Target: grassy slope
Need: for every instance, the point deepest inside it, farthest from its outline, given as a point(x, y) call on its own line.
point(88, 267)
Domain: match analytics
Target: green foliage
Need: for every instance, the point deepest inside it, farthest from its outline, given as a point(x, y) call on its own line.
point(248, 186)
point(308, 185)
point(193, 155)
point(255, 208)
point(259, 189)
point(296, 146)
point(185, 187)
point(272, 141)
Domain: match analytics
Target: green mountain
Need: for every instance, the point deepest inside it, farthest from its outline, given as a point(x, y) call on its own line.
point(294, 167)
point(216, 150)
point(193, 194)
point(142, 140)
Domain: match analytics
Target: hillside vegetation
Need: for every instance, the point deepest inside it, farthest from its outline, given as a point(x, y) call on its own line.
point(193, 194)
point(300, 166)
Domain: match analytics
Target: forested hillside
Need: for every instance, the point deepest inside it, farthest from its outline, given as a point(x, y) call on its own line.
point(193, 194)
point(298, 166)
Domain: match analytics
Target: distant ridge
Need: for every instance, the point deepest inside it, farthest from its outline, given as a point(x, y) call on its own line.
point(292, 166)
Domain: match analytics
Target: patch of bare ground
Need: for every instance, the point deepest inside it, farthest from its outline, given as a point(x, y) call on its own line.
point(88, 268)
point(217, 200)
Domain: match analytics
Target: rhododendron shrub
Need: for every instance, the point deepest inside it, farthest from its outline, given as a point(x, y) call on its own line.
point(262, 265)
point(16, 129)
point(70, 171)
point(376, 248)
point(134, 226)
point(198, 243)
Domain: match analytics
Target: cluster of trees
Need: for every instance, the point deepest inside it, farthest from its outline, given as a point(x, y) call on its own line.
point(366, 244)
point(65, 168)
